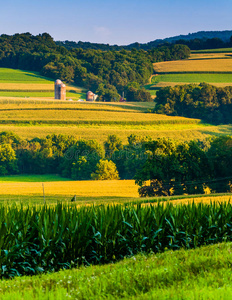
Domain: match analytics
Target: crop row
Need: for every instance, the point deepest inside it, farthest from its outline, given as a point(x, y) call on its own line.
point(97, 122)
point(38, 239)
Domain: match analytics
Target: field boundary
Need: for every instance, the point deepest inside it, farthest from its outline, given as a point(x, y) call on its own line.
point(63, 122)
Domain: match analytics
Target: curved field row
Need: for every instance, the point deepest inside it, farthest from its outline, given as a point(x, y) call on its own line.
point(88, 115)
point(100, 133)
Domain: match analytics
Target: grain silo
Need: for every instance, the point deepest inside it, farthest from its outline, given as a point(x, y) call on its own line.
point(60, 90)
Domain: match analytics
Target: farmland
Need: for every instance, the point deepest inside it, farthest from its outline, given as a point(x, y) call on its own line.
point(28, 189)
point(107, 231)
point(202, 65)
point(39, 117)
point(25, 84)
point(137, 242)
point(211, 66)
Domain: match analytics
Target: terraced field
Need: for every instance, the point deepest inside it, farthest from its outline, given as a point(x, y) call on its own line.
point(211, 66)
point(38, 118)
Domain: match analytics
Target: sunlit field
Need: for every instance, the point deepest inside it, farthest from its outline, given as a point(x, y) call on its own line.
point(116, 188)
point(25, 84)
point(88, 115)
point(210, 66)
point(204, 65)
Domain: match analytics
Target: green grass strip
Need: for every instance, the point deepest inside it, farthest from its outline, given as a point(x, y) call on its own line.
point(203, 273)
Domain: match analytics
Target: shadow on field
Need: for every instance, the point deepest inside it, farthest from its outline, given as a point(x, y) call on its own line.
point(218, 130)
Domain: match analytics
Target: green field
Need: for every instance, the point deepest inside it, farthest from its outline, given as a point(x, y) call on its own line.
point(193, 78)
point(203, 273)
point(221, 50)
point(25, 84)
point(19, 76)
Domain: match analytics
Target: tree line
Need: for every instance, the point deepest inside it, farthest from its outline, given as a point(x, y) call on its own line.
point(161, 167)
point(204, 101)
point(195, 41)
point(202, 43)
point(107, 73)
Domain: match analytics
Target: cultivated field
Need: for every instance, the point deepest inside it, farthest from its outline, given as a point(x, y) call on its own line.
point(29, 189)
point(37, 118)
point(211, 66)
point(202, 65)
point(25, 84)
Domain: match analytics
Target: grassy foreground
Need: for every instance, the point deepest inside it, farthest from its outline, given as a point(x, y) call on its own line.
point(203, 273)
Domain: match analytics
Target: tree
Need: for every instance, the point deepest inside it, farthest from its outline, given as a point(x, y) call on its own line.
point(105, 170)
point(220, 156)
point(173, 169)
point(112, 144)
point(80, 160)
point(8, 160)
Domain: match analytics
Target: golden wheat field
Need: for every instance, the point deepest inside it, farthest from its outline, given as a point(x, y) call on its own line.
point(207, 65)
point(18, 103)
point(117, 188)
point(87, 192)
point(100, 133)
point(87, 115)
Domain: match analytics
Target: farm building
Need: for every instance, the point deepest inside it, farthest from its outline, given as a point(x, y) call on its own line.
point(90, 96)
point(60, 90)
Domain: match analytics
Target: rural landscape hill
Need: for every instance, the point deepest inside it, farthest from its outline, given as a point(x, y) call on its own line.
point(110, 199)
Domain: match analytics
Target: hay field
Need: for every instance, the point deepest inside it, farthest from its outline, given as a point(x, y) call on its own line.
point(203, 65)
point(107, 188)
point(29, 189)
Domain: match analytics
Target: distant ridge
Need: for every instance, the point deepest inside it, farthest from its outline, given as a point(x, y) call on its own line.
point(203, 35)
point(224, 35)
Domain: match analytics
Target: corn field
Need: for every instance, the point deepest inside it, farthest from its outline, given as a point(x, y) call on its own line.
point(37, 239)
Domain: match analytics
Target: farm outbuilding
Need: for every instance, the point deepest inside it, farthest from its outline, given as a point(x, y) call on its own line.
point(60, 90)
point(90, 96)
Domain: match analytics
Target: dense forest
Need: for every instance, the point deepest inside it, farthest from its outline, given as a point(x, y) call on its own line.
point(201, 44)
point(204, 101)
point(107, 73)
point(171, 167)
